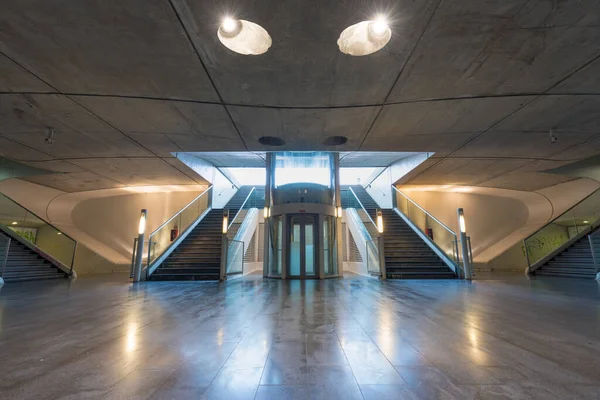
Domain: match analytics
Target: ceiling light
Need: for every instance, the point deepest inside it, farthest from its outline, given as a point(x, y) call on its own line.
point(244, 37)
point(14, 223)
point(365, 38)
point(586, 222)
point(379, 26)
point(229, 25)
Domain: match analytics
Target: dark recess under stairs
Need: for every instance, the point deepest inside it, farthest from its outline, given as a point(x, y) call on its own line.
point(575, 261)
point(198, 256)
point(407, 256)
point(24, 264)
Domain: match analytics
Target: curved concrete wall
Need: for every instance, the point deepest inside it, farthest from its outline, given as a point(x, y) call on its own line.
point(499, 219)
point(104, 222)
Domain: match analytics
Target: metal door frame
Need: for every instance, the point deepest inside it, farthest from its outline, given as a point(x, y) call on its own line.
point(316, 244)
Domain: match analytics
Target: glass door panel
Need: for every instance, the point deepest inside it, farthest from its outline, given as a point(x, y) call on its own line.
point(295, 246)
point(309, 245)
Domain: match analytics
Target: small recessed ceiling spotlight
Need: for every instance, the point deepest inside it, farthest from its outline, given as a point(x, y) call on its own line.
point(366, 37)
point(244, 37)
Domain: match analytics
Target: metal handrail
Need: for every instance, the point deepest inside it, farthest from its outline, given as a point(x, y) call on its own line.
point(38, 217)
point(566, 211)
point(425, 211)
point(180, 211)
point(241, 208)
point(363, 207)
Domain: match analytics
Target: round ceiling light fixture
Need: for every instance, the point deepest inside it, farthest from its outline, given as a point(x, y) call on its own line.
point(271, 141)
point(244, 37)
point(366, 37)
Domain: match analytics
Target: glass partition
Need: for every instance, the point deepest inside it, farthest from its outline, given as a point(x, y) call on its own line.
point(562, 229)
point(373, 266)
point(442, 236)
point(162, 238)
point(235, 257)
point(17, 220)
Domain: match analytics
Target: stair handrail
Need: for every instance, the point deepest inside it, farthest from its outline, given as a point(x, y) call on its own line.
point(424, 210)
point(152, 265)
point(59, 264)
point(38, 217)
point(593, 223)
point(241, 207)
point(180, 211)
point(590, 227)
point(363, 207)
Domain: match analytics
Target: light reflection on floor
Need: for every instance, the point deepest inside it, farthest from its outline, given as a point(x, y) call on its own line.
point(352, 338)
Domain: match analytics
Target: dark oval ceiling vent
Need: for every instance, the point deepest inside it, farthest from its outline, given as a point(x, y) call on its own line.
point(335, 141)
point(271, 141)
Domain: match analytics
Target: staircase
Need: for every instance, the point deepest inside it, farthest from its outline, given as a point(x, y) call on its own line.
point(407, 256)
point(575, 261)
point(198, 257)
point(24, 264)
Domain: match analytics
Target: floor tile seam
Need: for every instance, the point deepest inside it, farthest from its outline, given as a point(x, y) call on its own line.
point(350, 365)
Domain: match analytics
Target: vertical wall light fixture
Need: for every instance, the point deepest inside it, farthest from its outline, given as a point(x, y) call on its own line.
point(379, 221)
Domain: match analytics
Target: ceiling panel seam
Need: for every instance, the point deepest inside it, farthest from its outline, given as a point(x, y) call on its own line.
point(437, 6)
point(332, 107)
point(91, 113)
point(191, 42)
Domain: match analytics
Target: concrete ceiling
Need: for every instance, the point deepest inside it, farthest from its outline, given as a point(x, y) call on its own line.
point(125, 83)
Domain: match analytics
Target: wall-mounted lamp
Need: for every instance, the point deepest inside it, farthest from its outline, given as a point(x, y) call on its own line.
point(339, 212)
point(225, 221)
point(379, 221)
point(137, 269)
point(461, 221)
point(142, 225)
point(464, 246)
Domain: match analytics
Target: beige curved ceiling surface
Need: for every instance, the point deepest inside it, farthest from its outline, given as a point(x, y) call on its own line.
point(124, 84)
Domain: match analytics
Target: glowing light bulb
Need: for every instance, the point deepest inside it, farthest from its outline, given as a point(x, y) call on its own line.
point(379, 26)
point(229, 25)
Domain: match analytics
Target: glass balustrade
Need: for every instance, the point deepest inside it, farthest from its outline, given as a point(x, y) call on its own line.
point(162, 238)
point(16, 220)
point(443, 237)
point(372, 250)
point(576, 220)
point(235, 257)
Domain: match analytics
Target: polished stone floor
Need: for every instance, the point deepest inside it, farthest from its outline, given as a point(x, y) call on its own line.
point(352, 338)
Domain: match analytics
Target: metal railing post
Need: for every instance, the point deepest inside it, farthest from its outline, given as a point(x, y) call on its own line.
point(131, 273)
point(526, 255)
point(73, 259)
point(381, 254)
point(5, 261)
